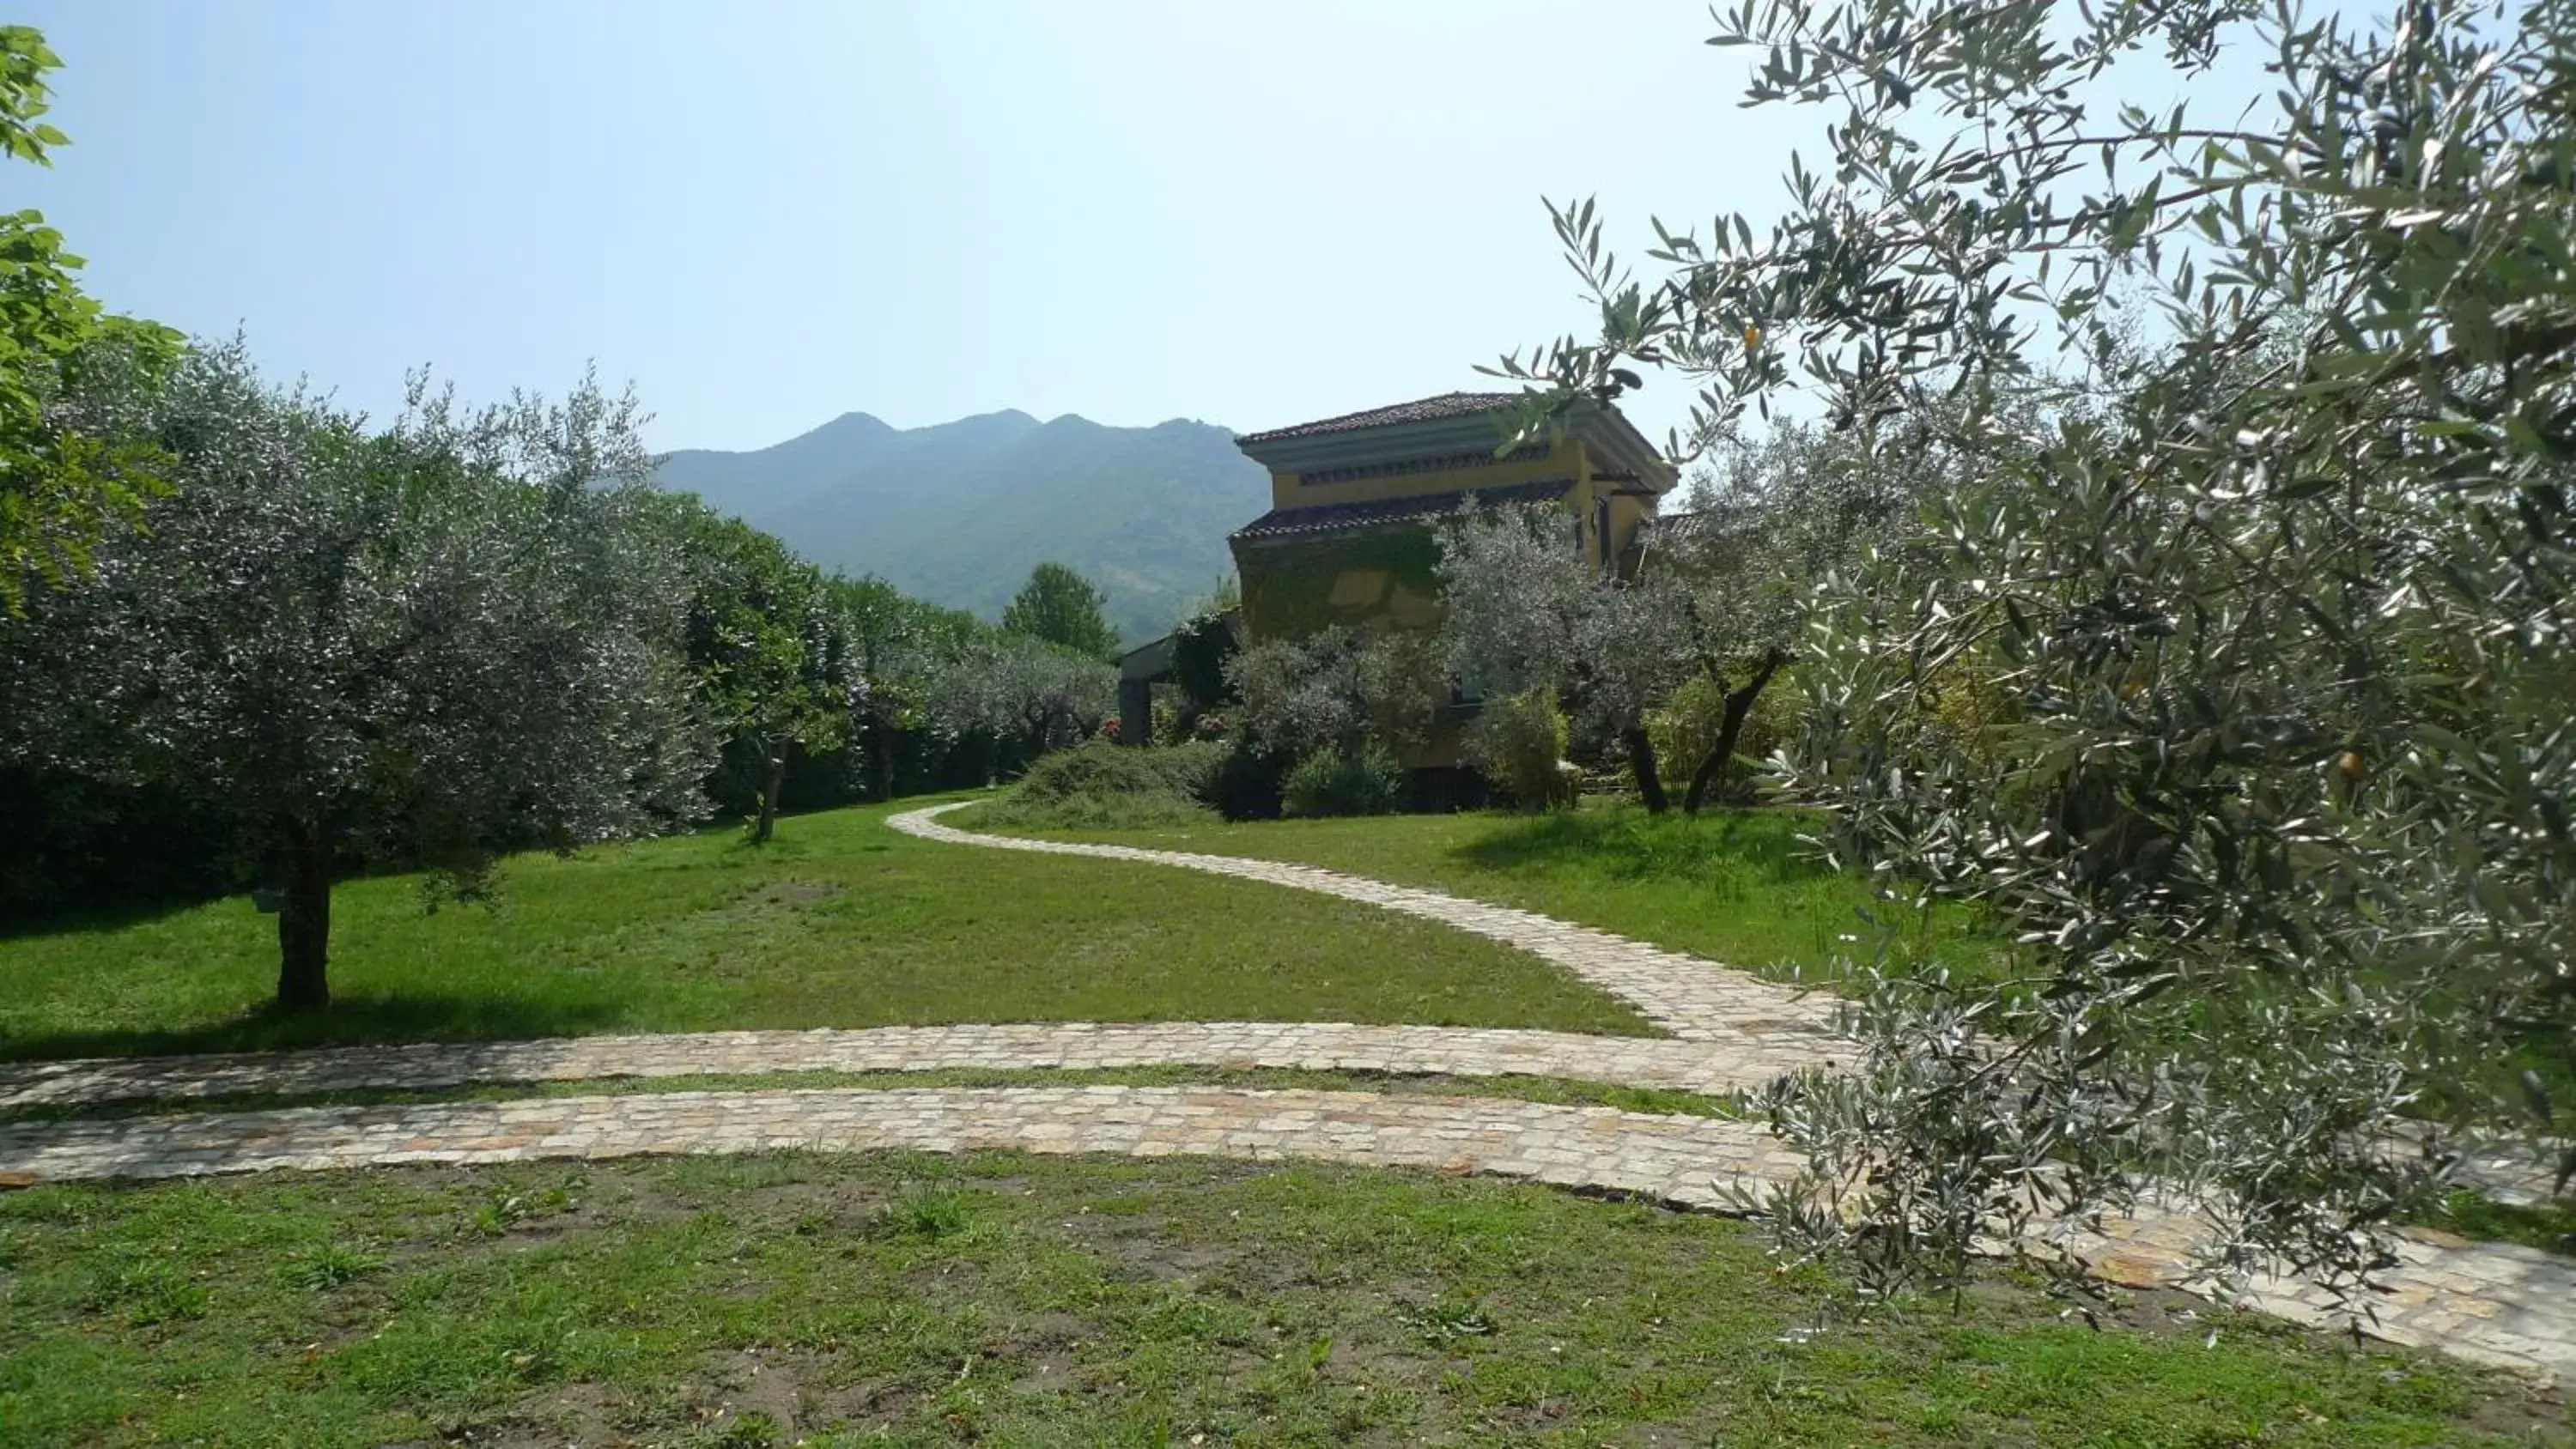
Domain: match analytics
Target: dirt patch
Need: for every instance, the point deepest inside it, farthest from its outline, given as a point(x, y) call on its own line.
point(1051, 1300)
point(751, 1384)
point(575, 1416)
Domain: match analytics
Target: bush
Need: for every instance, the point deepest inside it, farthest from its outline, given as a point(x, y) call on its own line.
point(1108, 786)
point(1686, 728)
point(1777, 713)
point(1518, 740)
point(1202, 646)
point(1363, 781)
point(1330, 690)
point(1251, 782)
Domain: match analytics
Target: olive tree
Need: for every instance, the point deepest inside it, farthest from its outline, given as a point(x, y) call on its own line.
point(425, 644)
point(897, 648)
point(1774, 520)
point(1334, 690)
point(1525, 611)
point(2235, 680)
point(1720, 591)
point(1022, 692)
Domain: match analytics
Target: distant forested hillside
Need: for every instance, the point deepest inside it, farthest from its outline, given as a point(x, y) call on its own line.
point(960, 512)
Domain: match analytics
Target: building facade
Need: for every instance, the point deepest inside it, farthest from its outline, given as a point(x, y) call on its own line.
point(1354, 499)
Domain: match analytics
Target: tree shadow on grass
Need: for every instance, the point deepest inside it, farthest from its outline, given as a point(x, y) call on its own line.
point(358, 1020)
point(1626, 844)
point(86, 917)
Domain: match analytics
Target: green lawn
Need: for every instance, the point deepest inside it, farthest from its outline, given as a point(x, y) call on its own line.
point(1732, 885)
point(1562, 1091)
point(1021, 1301)
point(839, 922)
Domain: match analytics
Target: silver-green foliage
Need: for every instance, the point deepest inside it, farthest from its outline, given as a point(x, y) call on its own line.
point(1518, 742)
point(426, 643)
point(1019, 690)
point(1334, 689)
point(1525, 611)
point(2236, 681)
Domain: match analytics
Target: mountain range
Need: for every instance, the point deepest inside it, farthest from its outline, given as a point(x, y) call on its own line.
point(958, 513)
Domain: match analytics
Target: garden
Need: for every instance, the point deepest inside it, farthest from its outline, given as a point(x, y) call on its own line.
point(2037, 909)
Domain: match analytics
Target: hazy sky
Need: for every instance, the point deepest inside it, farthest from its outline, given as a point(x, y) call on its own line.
point(767, 214)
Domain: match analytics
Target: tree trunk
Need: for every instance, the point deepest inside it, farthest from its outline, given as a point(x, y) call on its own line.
point(1739, 704)
point(1641, 762)
point(773, 779)
point(304, 922)
point(1045, 731)
point(885, 760)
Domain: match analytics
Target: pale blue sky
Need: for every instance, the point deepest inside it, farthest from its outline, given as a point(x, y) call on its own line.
point(767, 214)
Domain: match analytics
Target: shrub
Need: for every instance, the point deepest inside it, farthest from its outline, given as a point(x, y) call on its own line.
point(1362, 781)
point(1333, 689)
point(1518, 740)
point(1104, 785)
point(1250, 783)
point(1776, 715)
point(1202, 645)
point(1687, 727)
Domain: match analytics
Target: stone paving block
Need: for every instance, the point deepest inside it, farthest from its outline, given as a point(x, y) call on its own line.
point(1692, 998)
point(2489, 1302)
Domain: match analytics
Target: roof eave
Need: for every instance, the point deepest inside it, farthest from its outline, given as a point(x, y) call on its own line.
point(1313, 452)
point(1614, 440)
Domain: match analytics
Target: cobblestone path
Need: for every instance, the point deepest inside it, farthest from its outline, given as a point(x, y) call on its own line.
point(1409, 1050)
point(1695, 1000)
point(2491, 1303)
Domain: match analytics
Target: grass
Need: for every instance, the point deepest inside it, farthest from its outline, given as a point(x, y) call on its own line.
point(1736, 886)
point(838, 922)
point(2550, 1227)
point(1733, 885)
point(1563, 1091)
point(1102, 786)
point(1023, 1301)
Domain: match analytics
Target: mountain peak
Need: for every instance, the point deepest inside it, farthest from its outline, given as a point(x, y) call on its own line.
point(848, 427)
point(958, 512)
point(1008, 423)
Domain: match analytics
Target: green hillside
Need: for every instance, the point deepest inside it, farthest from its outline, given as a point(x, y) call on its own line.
point(960, 512)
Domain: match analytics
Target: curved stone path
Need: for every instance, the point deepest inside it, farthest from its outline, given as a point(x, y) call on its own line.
point(1694, 999)
point(2494, 1304)
point(2488, 1302)
point(1405, 1050)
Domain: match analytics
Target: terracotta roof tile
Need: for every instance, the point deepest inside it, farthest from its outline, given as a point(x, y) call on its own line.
point(1420, 410)
point(1416, 508)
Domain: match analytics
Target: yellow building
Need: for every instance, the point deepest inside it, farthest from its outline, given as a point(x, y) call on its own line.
point(1354, 499)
